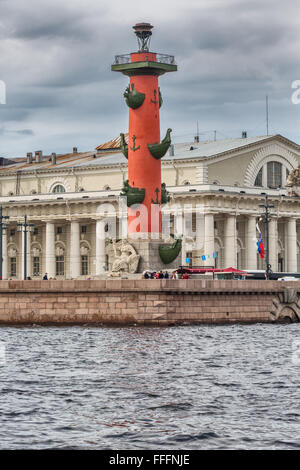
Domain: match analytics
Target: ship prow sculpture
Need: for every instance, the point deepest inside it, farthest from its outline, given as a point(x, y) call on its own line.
point(159, 150)
point(133, 98)
point(168, 253)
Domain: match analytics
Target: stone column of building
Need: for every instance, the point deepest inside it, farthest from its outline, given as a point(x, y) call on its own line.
point(100, 247)
point(74, 249)
point(4, 255)
point(50, 249)
point(230, 256)
point(198, 224)
point(183, 252)
point(251, 254)
point(291, 245)
point(283, 177)
point(209, 239)
point(28, 255)
point(273, 244)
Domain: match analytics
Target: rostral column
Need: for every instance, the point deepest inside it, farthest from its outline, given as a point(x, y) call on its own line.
point(145, 149)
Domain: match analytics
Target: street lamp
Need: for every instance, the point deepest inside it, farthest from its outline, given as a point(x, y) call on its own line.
point(267, 206)
point(3, 226)
point(25, 227)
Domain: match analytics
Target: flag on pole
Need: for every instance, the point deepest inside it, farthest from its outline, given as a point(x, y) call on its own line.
point(260, 244)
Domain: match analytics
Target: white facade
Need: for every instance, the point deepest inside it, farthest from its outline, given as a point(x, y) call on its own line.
point(220, 184)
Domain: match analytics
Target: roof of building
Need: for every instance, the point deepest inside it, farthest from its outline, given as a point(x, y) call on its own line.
point(109, 154)
point(213, 147)
point(112, 144)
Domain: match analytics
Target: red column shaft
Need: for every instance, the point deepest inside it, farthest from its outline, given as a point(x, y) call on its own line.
point(144, 171)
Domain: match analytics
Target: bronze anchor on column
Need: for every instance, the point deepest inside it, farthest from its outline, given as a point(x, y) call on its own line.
point(134, 148)
point(155, 100)
point(157, 200)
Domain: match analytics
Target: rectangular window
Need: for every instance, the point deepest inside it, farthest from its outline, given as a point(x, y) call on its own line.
point(59, 230)
point(12, 232)
point(13, 267)
point(274, 174)
point(83, 229)
point(36, 265)
point(35, 231)
point(84, 265)
point(60, 265)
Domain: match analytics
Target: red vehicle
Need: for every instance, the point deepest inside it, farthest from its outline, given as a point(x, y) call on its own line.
point(227, 273)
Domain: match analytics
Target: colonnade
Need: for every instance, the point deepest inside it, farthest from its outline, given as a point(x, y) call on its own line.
point(75, 258)
point(230, 244)
point(229, 240)
point(50, 254)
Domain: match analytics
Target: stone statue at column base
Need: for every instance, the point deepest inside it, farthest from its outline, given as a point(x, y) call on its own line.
point(293, 182)
point(125, 257)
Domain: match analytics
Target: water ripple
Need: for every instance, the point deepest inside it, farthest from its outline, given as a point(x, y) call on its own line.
point(191, 387)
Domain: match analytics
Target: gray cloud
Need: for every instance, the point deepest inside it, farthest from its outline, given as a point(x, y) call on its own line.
point(55, 59)
point(21, 132)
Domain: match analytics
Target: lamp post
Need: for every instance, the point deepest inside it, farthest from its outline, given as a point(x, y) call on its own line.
point(2, 228)
point(267, 206)
point(25, 227)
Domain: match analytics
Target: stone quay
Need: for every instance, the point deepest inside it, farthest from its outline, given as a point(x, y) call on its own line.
point(147, 302)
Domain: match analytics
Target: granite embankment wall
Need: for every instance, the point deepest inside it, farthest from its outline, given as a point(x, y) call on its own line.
point(148, 302)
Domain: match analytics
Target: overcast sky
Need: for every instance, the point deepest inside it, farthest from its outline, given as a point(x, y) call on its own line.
point(55, 58)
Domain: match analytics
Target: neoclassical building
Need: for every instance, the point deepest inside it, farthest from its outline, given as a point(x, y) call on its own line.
point(220, 184)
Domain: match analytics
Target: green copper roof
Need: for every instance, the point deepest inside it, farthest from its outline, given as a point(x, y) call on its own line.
point(146, 67)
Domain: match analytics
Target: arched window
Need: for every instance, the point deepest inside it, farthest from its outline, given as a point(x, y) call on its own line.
point(36, 259)
point(12, 267)
point(60, 265)
point(12, 261)
point(274, 174)
point(84, 252)
point(58, 188)
point(59, 260)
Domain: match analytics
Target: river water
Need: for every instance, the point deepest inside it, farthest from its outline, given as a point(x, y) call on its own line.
point(188, 387)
